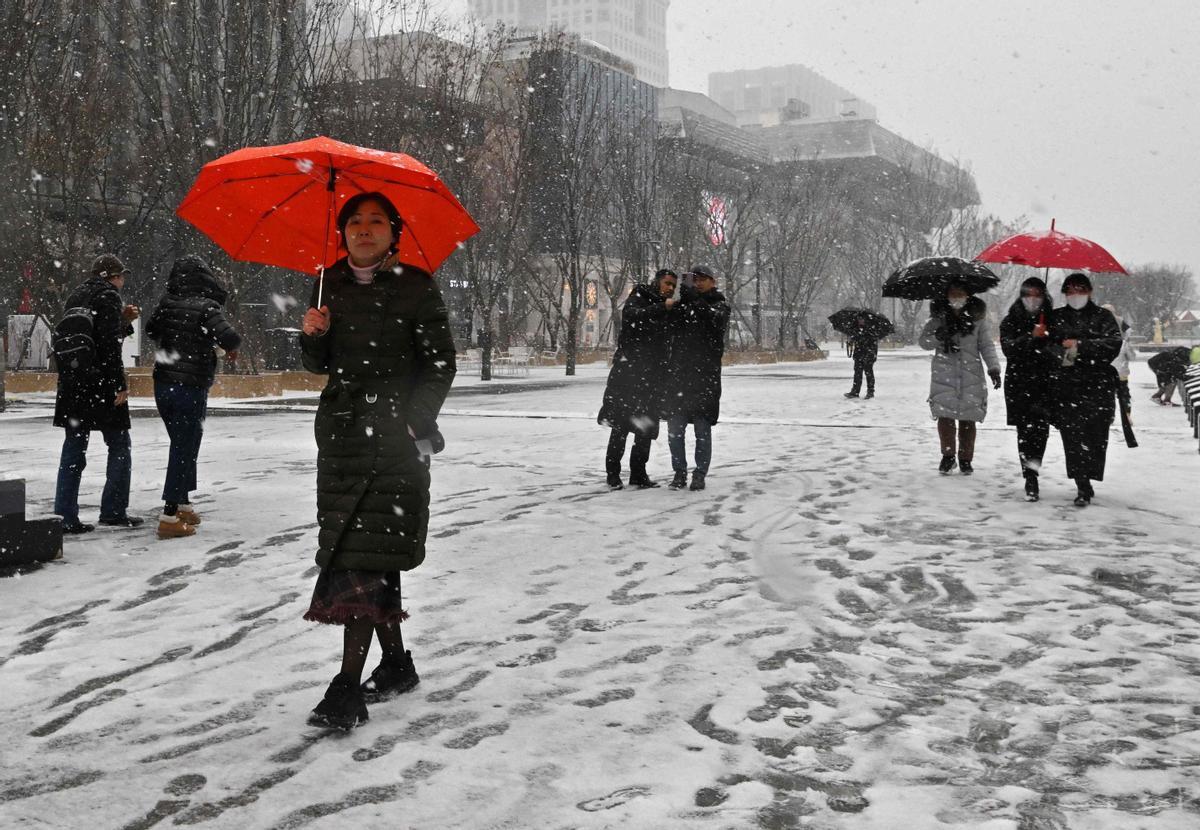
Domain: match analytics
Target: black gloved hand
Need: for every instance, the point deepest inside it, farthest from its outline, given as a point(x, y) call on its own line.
point(995, 376)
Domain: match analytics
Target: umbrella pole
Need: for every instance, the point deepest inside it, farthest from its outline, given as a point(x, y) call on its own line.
point(325, 247)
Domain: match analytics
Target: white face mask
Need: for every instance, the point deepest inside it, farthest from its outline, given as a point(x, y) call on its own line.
point(957, 304)
point(1077, 301)
point(1031, 304)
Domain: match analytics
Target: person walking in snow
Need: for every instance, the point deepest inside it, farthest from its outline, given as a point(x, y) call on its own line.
point(187, 325)
point(1084, 341)
point(1125, 357)
point(1024, 339)
point(960, 337)
point(633, 395)
point(1169, 367)
point(864, 349)
point(692, 391)
point(97, 398)
point(382, 335)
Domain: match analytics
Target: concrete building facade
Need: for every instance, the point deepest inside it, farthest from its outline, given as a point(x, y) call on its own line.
point(778, 94)
point(635, 30)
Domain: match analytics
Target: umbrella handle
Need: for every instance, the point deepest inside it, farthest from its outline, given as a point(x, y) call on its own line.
point(320, 285)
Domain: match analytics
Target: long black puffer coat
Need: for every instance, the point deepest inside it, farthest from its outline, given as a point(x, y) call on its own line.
point(85, 399)
point(633, 396)
point(1027, 373)
point(389, 355)
point(697, 343)
point(187, 323)
point(1085, 391)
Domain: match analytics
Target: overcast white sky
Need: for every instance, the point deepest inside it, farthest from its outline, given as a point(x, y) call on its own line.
point(1084, 110)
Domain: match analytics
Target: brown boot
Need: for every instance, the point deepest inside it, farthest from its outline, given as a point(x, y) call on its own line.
point(188, 515)
point(173, 527)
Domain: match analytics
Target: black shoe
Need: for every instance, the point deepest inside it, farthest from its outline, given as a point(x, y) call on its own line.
point(123, 521)
point(678, 482)
point(697, 481)
point(1031, 485)
point(852, 395)
point(965, 467)
point(641, 481)
point(391, 678)
point(75, 528)
point(1082, 499)
point(947, 464)
point(614, 482)
point(868, 396)
point(343, 707)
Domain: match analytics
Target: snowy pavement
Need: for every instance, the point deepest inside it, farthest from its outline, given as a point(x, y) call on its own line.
point(831, 636)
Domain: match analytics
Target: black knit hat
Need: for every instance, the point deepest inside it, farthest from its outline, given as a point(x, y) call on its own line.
point(703, 271)
point(108, 266)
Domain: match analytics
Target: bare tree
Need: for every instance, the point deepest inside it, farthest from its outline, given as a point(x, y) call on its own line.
point(1156, 291)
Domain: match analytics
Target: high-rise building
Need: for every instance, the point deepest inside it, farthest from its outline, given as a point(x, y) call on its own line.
point(781, 94)
point(635, 30)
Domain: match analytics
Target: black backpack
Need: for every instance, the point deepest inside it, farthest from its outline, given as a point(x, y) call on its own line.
point(74, 341)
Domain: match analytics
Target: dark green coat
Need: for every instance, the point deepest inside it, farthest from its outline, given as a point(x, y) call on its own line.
point(389, 355)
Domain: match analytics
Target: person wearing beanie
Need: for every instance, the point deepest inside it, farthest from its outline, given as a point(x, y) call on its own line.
point(633, 394)
point(1084, 341)
point(96, 398)
point(1024, 340)
point(692, 393)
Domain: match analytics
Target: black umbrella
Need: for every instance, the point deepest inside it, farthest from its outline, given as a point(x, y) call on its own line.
point(847, 322)
point(928, 278)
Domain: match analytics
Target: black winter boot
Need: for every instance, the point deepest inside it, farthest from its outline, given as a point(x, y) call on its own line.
point(1085, 492)
point(697, 480)
point(391, 678)
point(614, 482)
point(343, 707)
point(946, 465)
point(679, 481)
point(965, 467)
point(1031, 485)
point(641, 481)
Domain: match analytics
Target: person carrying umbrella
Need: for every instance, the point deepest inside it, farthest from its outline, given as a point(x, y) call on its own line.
point(632, 397)
point(382, 335)
point(961, 340)
point(863, 336)
point(1084, 341)
point(1024, 339)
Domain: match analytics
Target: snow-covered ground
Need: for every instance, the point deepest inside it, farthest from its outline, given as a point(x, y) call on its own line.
point(831, 636)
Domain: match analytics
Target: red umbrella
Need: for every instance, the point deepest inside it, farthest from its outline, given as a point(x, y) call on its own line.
point(1051, 249)
point(278, 205)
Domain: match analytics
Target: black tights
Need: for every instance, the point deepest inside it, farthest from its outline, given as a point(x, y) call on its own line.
point(356, 643)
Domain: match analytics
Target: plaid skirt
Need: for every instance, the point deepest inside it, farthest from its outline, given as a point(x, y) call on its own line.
point(344, 596)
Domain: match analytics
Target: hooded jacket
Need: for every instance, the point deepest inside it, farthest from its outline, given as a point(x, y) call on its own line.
point(85, 400)
point(962, 344)
point(633, 395)
point(188, 324)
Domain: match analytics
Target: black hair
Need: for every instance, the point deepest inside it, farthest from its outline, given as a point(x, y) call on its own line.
point(1077, 279)
point(661, 273)
point(355, 202)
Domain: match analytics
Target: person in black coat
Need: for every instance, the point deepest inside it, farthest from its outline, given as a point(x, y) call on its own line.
point(1084, 341)
point(632, 398)
point(1169, 367)
point(1024, 339)
point(382, 336)
point(864, 349)
point(97, 399)
point(692, 390)
point(188, 324)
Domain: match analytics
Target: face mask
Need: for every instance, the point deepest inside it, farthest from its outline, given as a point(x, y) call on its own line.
point(958, 304)
point(1077, 301)
point(1031, 304)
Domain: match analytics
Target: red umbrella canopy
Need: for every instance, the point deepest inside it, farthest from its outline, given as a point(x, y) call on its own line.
point(279, 205)
point(1052, 249)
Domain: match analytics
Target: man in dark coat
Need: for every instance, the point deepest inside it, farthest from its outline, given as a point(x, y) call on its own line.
point(633, 396)
point(1023, 338)
point(692, 392)
point(188, 324)
point(97, 399)
point(1169, 367)
point(1083, 384)
point(864, 346)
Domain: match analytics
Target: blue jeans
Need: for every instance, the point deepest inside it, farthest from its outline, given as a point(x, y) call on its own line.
point(183, 408)
point(114, 501)
point(703, 430)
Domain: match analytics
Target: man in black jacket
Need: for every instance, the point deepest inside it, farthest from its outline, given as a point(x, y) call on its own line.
point(187, 325)
point(97, 399)
point(632, 397)
point(693, 386)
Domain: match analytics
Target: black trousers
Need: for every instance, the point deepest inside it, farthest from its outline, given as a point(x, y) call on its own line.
point(1031, 443)
point(1086, 446)
point(638, 456)
point(863, 366)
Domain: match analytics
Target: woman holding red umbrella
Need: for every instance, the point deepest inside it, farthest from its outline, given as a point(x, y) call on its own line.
point(382, 335)
point(1023, 338)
